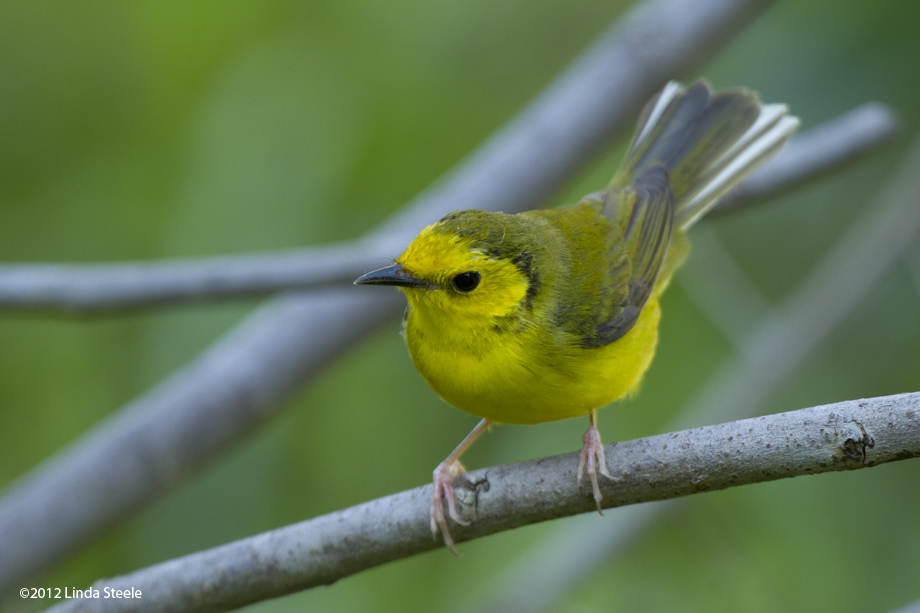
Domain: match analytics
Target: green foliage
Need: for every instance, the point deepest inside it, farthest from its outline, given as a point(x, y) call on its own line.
point(151, 130)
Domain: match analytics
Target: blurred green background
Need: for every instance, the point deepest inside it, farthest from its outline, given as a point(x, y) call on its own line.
point(147, 130)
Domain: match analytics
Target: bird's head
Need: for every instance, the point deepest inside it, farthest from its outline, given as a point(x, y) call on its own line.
point(469, 264)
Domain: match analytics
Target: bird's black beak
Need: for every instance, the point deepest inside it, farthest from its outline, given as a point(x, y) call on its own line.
point(392, 275)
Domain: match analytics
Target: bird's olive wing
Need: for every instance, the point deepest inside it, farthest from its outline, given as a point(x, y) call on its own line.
point(642, 216)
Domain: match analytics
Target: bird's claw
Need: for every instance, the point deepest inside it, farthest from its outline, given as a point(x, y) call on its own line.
point(591, 461)
point(443, 489)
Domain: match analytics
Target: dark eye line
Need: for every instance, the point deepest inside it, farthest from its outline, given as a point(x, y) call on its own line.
point(466, 282)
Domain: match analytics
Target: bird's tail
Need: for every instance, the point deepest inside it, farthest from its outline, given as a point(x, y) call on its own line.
point(706, 142)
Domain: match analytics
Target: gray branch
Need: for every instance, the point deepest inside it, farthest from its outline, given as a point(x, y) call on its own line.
point(153, 443)
point(72, 288)
point(79, 289)
point(836, 437)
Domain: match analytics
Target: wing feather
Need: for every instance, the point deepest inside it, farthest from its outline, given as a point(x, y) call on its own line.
point(643, 220)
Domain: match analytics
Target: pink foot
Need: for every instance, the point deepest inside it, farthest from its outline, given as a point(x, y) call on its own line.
point(591, 460)
point(444, 476)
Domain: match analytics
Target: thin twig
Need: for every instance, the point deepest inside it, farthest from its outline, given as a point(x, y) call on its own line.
point(154, 442)
point(843, 436)
point(82, 289)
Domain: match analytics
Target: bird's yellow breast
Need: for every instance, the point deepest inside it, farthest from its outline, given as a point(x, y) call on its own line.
point(526, 376)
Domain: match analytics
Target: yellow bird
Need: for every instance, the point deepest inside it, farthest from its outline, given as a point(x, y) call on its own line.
point(551, 314)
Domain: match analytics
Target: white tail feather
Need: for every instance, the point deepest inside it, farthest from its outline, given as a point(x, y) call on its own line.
point(706, 142)
point(749, 153)
point(672, 89)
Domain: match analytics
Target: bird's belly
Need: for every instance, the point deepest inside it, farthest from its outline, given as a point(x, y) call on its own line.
point(519, 381)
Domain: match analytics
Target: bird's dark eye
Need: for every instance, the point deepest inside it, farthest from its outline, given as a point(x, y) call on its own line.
point(466, 281)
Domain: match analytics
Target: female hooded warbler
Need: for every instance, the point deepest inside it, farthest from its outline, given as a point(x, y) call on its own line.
point(550, 314)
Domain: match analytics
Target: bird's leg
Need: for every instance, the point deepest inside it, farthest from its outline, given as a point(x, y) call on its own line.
point(591, 460)
point(444, 476)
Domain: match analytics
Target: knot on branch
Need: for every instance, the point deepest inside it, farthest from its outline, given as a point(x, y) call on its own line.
point(850, 437)
point(467, 488)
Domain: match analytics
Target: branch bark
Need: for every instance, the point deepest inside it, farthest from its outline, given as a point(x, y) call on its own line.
point(157, 440)
point(836, 437)
point(84, 289)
